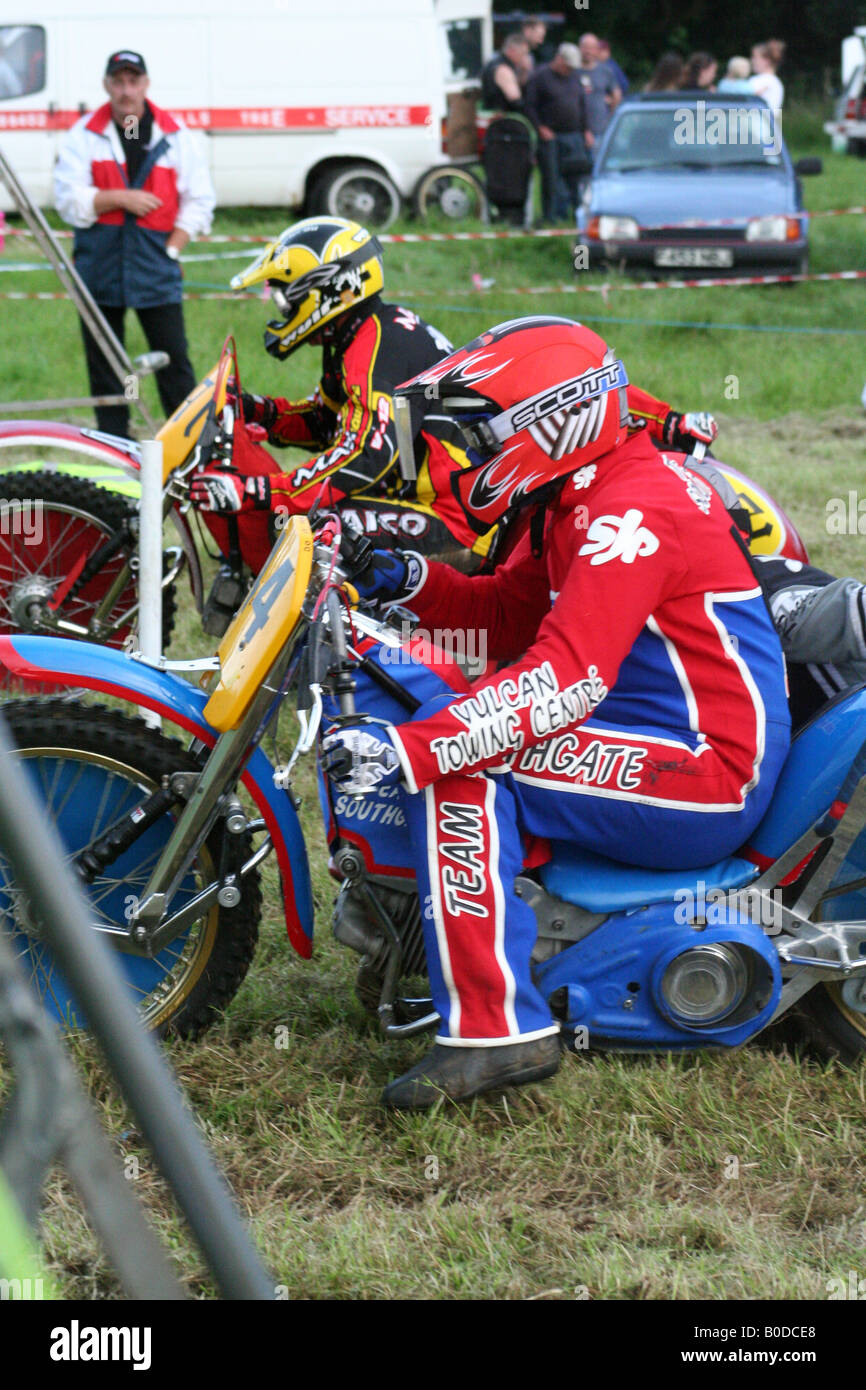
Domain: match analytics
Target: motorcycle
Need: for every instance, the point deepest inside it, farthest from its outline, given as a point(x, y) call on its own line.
point(76, 574)
point(633, 958)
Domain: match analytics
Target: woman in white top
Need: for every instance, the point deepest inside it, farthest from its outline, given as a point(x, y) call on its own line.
point(766, 58)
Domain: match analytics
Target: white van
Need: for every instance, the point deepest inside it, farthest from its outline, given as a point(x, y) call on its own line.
point(848, 127)
point(335, 105)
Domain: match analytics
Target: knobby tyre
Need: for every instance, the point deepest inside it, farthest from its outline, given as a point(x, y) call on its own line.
point(90, 766)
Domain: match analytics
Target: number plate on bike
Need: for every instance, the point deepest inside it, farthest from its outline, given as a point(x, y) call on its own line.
point(262, 626)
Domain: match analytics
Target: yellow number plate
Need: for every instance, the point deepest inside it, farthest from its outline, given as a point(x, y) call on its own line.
point(262, 626)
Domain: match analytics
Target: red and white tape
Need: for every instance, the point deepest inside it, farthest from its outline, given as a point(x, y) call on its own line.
point(604, 290)
point(510, 234)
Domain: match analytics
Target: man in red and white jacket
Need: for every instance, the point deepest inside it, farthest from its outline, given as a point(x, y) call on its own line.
point(132, 183)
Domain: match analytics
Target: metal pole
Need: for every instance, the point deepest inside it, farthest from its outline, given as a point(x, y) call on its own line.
point(112, 349)
point(150, 559)
point(47, 1118)
point(37, 858)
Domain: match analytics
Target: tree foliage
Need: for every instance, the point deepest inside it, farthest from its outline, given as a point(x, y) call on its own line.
point(641, 30)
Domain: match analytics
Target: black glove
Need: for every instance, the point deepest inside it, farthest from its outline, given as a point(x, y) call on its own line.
point(259, 410)
point(359, 760)
point(389, 575)
point(683, 432)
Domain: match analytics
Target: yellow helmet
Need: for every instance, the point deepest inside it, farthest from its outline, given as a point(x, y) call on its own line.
point(317, 270)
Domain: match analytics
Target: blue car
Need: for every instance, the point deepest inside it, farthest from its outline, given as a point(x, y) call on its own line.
point(676, 158)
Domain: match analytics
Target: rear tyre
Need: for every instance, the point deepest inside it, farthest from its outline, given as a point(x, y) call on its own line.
point(832, 1016)
point(360, 193)
point(53, 521)
point(832, 1024)
point(90, 766)
point(449, 195)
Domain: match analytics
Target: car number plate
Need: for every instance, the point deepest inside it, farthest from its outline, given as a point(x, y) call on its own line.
point(694, 255)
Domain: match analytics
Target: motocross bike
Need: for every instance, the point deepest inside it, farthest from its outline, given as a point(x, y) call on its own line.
point(635, 958)
point(78, 577)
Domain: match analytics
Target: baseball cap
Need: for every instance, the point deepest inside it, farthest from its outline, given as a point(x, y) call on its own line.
point(571, 53)
point(124, 58)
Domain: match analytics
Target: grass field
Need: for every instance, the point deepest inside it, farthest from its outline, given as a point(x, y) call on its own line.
point(715, 1177)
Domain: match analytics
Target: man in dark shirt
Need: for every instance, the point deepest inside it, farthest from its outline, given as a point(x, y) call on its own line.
point(503, 76)
point(555, 104)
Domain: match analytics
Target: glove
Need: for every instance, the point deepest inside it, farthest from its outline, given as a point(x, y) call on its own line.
point(379, 575)
point(259, 410)
point(358, 760)
point(683, 432)
point(227, 490)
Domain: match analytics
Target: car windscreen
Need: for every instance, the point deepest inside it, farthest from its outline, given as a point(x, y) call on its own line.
point(694, 135)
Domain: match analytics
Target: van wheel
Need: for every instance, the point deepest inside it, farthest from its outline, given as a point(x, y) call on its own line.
point(449, 194)
point(361, 193)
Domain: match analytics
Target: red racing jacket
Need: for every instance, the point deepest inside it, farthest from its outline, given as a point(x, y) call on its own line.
point(641, 610)
point(348, 423)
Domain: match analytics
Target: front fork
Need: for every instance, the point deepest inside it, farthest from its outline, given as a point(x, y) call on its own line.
point(150, 930)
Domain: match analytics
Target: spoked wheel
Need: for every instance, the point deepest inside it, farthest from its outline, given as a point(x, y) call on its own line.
point(50, 524)
point(449, 195)
point(833, 1014)
point(89, 768)
point(362, 193)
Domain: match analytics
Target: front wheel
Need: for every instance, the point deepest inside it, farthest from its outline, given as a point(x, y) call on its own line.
point(91, 766)
point(50, 525)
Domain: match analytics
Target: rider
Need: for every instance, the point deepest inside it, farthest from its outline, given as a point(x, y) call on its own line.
point(326, 278)
point(641, 708)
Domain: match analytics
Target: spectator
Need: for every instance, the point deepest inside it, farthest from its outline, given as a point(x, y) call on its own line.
point(503, 75)
point(766, 58)
point(699, 73)
point(667, 75)
point(600, 91)
point(131, 182)
point(607, 60)
point(535, 32)
point(556, 106)
point(736, 79)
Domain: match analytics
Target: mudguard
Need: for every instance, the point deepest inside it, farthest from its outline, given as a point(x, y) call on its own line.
point(814, 770)
point(117, 467)
point(84, 664)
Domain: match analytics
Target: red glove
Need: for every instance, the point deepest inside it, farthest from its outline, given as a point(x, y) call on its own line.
point(257, 410)
point(227, 490)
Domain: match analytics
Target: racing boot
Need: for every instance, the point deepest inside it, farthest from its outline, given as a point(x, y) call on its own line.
point(458, 1073)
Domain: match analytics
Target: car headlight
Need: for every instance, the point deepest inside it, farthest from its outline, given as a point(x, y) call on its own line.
point(773, 229)
point(617, 228)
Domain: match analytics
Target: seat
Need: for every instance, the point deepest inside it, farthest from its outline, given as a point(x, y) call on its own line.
point(598, 884)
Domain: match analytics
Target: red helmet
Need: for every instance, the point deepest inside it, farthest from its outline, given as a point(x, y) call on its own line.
point(535, 398)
